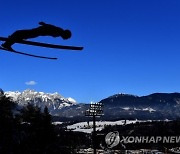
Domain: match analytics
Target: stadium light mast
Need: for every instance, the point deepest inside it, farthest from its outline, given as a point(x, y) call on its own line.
point(95, 110)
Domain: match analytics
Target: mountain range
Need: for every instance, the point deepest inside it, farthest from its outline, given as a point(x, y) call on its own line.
point(154, 106)
point(120, 106)
point(53, 101)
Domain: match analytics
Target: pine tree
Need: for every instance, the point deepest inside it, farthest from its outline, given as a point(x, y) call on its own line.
point(31, 114)
point(7, 125)
point(47, 117)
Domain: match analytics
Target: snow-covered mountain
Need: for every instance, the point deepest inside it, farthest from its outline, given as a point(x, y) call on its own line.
point(120, 106)
point(53, 101)
point(153, 106)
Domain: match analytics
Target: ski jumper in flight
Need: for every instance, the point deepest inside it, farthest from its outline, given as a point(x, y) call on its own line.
point(43, 30)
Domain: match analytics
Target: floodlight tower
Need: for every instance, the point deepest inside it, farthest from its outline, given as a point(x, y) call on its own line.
point(95, 110)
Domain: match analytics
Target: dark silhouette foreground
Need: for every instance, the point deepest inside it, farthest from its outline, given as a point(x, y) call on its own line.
point(30, 131)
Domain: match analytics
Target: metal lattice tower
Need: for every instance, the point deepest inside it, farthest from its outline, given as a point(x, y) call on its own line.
point(95, 110)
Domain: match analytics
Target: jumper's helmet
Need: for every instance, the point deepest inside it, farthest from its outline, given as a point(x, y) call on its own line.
point(67, 34)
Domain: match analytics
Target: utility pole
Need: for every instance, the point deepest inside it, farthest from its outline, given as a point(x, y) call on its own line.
point(94, 111)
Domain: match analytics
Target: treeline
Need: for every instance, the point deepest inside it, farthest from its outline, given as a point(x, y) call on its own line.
point(30, 131)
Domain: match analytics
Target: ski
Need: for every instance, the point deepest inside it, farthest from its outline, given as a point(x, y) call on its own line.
point(46, 45)
point(26, 54)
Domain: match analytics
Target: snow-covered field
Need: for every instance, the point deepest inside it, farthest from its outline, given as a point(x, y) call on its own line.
point(88, 127)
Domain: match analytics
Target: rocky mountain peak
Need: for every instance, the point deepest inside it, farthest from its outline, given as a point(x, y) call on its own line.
point(53, 101)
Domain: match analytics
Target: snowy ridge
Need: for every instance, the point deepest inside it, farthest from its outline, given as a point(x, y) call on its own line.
point(53, 101)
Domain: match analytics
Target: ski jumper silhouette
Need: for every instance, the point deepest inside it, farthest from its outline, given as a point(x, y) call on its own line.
point(43, 30)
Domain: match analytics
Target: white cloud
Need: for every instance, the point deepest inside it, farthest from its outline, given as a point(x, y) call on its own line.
point(31, 83)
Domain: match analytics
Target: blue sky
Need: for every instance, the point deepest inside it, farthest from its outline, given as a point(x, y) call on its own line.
point(130, 46)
